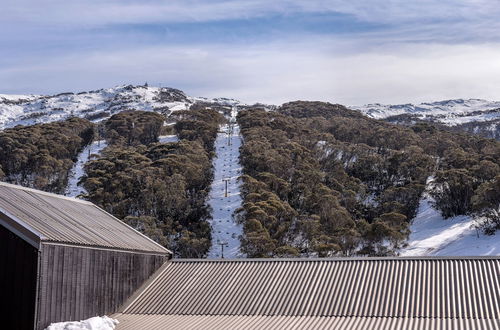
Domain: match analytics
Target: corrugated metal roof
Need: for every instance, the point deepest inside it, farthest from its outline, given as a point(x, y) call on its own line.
point(204, 322)
point(61, 219)
point(403, 288)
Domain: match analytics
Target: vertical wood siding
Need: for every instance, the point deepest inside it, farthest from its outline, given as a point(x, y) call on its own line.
point(78, 283)
point(18, 268)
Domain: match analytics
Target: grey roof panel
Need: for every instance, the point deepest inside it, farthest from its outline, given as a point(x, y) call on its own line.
point(60, 219)
point(434, 288)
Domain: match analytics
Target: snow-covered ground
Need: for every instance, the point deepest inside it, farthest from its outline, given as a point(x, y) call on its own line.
point(94, 105)
point(432, 235)
point(448, 108)
point(94, 323)
point(168, 138)
point(77, 172)
point(226, 166)
point(450, 113)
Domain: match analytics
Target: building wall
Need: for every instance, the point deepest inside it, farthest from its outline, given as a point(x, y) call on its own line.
point(78, 283)
point(18, 269)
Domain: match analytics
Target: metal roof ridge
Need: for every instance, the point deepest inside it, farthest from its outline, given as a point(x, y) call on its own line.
point(136, 231)
point(41, 192)
point(104, 247)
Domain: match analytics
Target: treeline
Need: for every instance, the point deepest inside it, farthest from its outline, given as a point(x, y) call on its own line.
point(324, 180)
point(159, 189)
point(40, 156)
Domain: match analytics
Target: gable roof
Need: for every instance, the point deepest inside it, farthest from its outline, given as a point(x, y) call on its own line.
point(346, 293)
point(39, 216)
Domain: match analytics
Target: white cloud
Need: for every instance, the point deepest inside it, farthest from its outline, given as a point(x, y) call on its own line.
point(279, 72)
point(104, 12)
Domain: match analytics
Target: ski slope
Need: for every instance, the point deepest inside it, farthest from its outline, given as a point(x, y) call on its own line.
point(226, 167)
point(77, 172)
point(432, 235)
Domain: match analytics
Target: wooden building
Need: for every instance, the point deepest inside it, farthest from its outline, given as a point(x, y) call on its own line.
point(65, 259)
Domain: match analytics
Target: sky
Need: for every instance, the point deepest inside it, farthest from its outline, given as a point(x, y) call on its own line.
point(351, 52)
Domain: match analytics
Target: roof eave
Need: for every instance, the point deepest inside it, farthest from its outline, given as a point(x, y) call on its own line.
point(21, 229)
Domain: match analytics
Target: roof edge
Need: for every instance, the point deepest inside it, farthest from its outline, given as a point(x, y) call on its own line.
point(179, 260)
point(140, 290)
point(138, 232)
point(20, 228)
point(41, 192)
point(107, 248)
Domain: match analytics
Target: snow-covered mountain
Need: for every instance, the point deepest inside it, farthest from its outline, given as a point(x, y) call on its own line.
point(473, 115)
point(95, 105)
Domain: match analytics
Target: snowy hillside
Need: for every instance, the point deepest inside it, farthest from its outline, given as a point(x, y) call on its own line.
point(94, 105)
point(447, 110)
point(432, 235)
point(473, 115)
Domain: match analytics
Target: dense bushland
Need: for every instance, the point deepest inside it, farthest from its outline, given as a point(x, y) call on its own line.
point(321, 179)
point(133, 128)
point(40, 156)
point(160, 189)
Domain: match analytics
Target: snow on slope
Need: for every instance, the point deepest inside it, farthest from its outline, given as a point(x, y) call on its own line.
point(94, 323)
point(168, 138)
point(226, 166)
point(448, 107)
point(450, 112)
point(94, 105)
point(432, 235)
point(76, 173)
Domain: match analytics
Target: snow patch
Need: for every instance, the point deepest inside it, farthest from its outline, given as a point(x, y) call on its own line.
point(94, 323)
point(168, 138)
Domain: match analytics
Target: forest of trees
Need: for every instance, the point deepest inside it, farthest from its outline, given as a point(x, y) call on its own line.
point(132, 128)
point(319, 179)
point(158, 188)
point(324, 180)
point(40, 156)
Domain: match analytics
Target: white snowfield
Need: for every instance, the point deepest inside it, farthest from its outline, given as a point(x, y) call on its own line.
point(77, 172)
point(432, 235)
point(450, 112)
point(94, 105)
point(225, 230)
point(94, 323)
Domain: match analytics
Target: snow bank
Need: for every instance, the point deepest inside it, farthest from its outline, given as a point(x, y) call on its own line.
point(94, 323)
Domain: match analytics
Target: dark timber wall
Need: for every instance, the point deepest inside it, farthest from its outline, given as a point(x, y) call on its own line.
point(78, 283)
point(18, 268)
